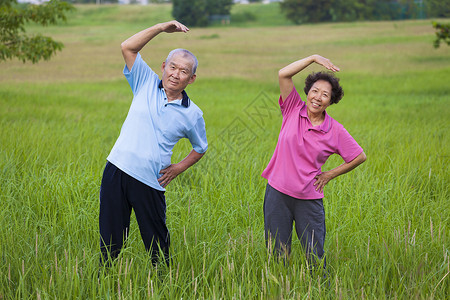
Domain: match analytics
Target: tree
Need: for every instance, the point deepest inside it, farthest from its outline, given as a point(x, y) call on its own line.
point(352, 10)
point(438, 8)
point(14, 42)
point(442, 33)
point(190, 13)
point(307, 11)
point(219, 7)
point(197, 12)
point(313, 11)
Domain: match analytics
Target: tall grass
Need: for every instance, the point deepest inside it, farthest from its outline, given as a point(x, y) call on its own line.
point(387, 221)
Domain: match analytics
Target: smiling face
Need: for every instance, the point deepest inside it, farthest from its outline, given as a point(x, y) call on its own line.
point(177, 72)
point(319, 97)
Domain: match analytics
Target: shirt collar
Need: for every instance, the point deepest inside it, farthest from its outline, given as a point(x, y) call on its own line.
point(185, 101)
point(324, 127)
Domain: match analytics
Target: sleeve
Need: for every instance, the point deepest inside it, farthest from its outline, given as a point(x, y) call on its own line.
point(347, 148)
point(139, 74)
point(197, 136)
point(290, 103)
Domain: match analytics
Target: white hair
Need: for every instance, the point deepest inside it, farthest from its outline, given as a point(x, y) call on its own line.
point(184, 52)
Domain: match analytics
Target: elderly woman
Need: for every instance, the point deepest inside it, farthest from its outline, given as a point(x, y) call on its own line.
point(308, 136)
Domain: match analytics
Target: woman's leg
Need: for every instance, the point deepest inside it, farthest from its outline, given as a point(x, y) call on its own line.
point(278, 220)
point(309, 218)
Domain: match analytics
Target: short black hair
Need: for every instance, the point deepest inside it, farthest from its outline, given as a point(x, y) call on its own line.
point(336, 90)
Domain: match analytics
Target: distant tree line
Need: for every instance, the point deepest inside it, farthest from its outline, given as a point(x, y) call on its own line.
point(199, 12)
point(191, 13)
point(314, 11)
point(113, 1)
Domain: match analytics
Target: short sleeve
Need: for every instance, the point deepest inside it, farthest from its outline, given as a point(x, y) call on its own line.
point(348, 148)
point(197, 136)
point(139, 74)
point(292, 102)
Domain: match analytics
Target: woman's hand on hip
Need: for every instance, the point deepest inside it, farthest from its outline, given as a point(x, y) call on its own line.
point(322, 180)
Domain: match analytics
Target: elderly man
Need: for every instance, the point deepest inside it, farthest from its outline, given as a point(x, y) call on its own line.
point(139, 166)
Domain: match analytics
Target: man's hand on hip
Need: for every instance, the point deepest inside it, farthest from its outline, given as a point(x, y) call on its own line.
point(169, 174)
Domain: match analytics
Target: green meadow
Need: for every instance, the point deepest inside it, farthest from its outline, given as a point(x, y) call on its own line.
point(388, 221)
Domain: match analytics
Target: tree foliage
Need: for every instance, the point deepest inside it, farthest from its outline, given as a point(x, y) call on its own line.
point(442, 31)
point(306, 11)
point(14, 42)
point(190, 13)
point(438, 8)
point(218, 7)
point(313, 11)
point(197, 12)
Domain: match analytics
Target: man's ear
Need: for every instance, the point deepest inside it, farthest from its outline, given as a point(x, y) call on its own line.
point(192, 79)
point(163, 66)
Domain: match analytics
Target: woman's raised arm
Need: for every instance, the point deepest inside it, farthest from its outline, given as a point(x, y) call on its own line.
point(285, 75)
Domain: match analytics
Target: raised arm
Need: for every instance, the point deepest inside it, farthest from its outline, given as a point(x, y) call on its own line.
point(285, 75)
point(134, 44)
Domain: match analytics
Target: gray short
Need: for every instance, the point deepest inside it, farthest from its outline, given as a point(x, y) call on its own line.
point(281, 210)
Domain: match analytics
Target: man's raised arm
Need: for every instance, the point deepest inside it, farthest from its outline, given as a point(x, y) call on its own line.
point(134, 44)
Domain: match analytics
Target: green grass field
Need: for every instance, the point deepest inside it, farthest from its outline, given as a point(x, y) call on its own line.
point(388, 223)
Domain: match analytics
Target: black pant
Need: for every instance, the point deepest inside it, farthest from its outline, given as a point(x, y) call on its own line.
point(280, 212)
point(119, 194)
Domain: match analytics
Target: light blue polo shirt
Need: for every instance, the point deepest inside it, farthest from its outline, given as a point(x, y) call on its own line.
point(153, 126)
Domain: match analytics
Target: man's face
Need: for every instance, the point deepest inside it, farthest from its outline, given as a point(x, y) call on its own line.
point(177, 72)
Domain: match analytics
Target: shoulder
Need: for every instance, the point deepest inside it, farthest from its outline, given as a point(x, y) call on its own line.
point(339, 131)
point(196, 117)
point(194, 110)
point(335, 125)
point(293, 96)
point(292, 103)
point(139, 67)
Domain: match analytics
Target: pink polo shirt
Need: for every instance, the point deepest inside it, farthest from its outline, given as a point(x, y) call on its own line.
point(302, 149)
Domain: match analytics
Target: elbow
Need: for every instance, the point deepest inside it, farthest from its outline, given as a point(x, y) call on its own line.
point(124, 47)
point(198, 155)
point(362, 157)
point(127, 48)
point(282, 74)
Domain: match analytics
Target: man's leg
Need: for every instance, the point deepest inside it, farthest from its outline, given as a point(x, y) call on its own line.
point(278, 220)
point(114, 219)
point(150, 209)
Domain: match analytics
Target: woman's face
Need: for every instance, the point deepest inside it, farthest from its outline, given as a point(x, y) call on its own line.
point(319, 97)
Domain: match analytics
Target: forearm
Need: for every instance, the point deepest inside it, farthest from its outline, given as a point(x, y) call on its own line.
point(190, 160)
point(285, 75)
point(325, 177)
point(347, 167)
point(134, 44)
point(292, 69)
point(174, 170)
point(139, 40)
